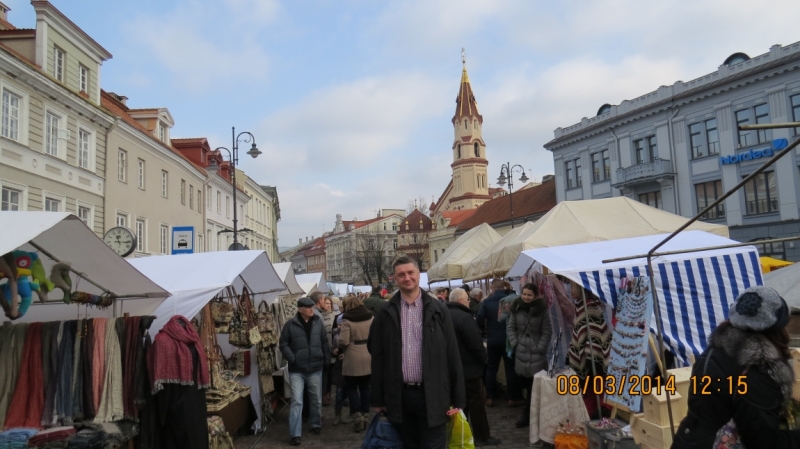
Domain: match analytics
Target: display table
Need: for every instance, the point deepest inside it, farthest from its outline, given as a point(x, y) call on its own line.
point(237, 414)
point(548, 408)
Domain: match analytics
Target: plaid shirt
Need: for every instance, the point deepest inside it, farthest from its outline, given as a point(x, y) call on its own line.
point(411, 328)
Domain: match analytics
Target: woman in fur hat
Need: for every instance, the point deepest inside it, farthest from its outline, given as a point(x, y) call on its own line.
point(752, 349)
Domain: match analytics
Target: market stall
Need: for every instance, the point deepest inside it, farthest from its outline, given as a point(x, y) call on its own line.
point(787, 283)
point(196, 279)
point(452, 263)
point(312, 282)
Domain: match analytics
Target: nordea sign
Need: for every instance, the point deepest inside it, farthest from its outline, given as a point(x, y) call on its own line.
point(777, 145)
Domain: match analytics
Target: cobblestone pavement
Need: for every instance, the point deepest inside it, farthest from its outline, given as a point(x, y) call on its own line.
point(501, 421)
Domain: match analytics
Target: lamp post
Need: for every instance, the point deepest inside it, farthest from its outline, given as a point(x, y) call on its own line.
point(233, 157)
point(506, 172)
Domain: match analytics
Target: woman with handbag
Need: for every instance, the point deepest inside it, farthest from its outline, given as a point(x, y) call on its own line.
point(357, 363)
point(743, 380)
point(528, 330)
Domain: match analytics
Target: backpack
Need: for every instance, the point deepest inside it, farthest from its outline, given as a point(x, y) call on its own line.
point(381, 434)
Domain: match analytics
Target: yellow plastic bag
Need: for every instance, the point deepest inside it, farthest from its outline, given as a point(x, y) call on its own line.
point(460, 432)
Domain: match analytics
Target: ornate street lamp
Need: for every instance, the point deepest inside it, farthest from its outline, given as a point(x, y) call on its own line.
point(233, 157)
point(506, 171)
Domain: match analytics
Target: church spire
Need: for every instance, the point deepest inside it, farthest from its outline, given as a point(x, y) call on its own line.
point(466, 105)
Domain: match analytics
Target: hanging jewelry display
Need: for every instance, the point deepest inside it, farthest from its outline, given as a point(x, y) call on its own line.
point(628, 361)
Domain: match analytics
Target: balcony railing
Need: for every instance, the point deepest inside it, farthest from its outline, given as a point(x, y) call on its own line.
point(648, 171)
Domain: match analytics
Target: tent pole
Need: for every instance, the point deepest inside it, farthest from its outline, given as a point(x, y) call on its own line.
point(82, 275)
point(660, 327)
point(591, 351)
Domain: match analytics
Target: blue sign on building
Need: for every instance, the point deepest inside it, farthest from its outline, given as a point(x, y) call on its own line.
point(777, 145)
point(183, 240)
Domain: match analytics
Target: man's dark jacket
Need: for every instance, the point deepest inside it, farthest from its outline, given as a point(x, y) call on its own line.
point(374, 303)
point(443, 379)
point(304, 357)
point(487, 320)
point(470, 343)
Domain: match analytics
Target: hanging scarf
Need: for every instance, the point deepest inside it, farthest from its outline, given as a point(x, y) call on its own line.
point(86, 356)
point(12, 342)
point(110, 407)
point(132, 347)
point(142, 380)
point(77, 372)
point(50, 345)
point(28, 401)
point(65, 372)
point(98, 361)
point(170, 360)
point(582, 347)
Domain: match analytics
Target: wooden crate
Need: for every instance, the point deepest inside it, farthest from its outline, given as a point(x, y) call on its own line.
point(656, 411)
point(682, 378)
point(646, 433)
point(796, 362)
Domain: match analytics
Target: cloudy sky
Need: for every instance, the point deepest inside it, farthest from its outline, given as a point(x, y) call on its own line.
point(351, 100)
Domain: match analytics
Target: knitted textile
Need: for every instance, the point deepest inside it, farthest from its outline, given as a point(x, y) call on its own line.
point(27, 404)
point(170, 359)
point(110, 407)
point(582, 347)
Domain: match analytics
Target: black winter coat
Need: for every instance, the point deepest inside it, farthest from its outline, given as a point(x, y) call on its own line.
point(304, 356)
point(373, 303)
point(487, 320)
point(470, 343)
point(442, 374)
point(756, 413)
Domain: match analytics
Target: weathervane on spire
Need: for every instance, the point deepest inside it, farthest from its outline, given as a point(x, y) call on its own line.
point(463, 57)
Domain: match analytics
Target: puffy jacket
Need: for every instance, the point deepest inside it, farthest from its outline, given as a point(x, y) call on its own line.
point(487, 320)
point(529, 334)
point(305, 356)
point(470, 344)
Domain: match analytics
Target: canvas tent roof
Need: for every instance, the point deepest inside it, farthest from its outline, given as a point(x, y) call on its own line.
point(194, 279)
point(694, 289)
point(572, 222)
point(481, 265)
point(786, 282)
point(286, 273)
point(312, 282)
point(69, 240)
point(461, 251)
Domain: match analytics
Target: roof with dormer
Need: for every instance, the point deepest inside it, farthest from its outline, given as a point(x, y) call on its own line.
point(412, 220)
point(466, 105)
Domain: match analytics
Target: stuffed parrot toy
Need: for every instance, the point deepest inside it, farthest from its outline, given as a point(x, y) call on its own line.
point(59, 277)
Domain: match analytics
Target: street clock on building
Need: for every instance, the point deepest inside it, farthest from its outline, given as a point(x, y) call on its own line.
point(122, 240)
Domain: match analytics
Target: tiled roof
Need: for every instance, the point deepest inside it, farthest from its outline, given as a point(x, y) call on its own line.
point(118, 109)
point(495, 190)
point(144, 110)
point(458, 216)
point(413, 220)
point(527, 202)
point(466, 106)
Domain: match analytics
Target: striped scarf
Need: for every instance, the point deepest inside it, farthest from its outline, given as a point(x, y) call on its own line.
point(584, 346)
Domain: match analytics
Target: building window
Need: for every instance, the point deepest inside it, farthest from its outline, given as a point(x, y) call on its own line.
point(219, 202)
point(140, 234)
point(162, 133)
point(227, 207)
point(164, 183)
point(435, 256)
point(84, 213)
point(762, 117)
point(199, 200)
point(200, 244)
point(183, 192)
point(164, 239)
point(601, 166)
point(84, 77)
point(394, 226)
point(122, 220)
point(704, 138)
point(795, 111)
point(394, 243)
point(208, 198)
point(10, 127)
point(459, 151)
point(773, 249)
point(706, 193)
point(761, 194)
point(652, 148)
point(140, 174)
point(477, 150)
point(652, 199)
point(570, 174)
point(51, 134)
point(11, 199)
point(761, 114)
point(638, 146)
point(52, 205)
point(84, 148)
point(191, 197)
point(58, 64)
point(122, 165)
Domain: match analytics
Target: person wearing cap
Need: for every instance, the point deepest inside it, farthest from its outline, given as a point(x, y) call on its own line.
point(749, 379)
point(304, 345)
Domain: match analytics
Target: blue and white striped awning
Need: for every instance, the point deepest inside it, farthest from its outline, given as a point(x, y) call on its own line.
point(694, 289)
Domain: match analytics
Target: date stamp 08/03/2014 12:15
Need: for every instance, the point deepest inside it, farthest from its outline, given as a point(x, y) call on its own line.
point(645, 385)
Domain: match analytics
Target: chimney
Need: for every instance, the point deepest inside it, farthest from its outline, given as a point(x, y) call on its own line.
point(548, 178)
point(122, 99)
point(306, 239)
point(300, 241)
point(4, 11)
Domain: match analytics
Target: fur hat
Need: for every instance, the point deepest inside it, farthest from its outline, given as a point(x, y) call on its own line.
point(305, 302)
point(759, 309)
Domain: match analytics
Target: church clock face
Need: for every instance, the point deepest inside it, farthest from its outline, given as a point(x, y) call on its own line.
point(121, 240)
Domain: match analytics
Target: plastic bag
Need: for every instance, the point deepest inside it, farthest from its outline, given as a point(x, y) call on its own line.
point(571, 441)
point(460, 432)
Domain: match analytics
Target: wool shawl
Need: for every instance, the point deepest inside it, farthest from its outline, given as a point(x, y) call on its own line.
point(65, 373)
point(98, 361)
point(142, 380)
point(110, 408)
point(170, 359)
point(130, 351)
point(86, 363)
point(12, 342)
point(50, 345)
point(77, 372)
point(28, 401)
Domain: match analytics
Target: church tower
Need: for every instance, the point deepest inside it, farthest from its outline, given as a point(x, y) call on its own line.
point(470, 187)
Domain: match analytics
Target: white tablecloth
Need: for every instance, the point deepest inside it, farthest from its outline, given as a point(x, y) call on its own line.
point(548, 408)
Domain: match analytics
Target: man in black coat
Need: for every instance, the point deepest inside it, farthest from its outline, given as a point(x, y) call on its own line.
point(304, 345)
point(496, 347)
point(473, 359)
point(416, 369)
point(374, 302)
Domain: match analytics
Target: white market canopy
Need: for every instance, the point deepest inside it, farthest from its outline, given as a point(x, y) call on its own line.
point(786, 281)
point(460, 252)
point(340, 290)
point(694, 289)
point(286, 273)
point(194, 280)
point(481, 266)
point(362, 289)
point(65, 237)
point(312, 282)
point(573, 222)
